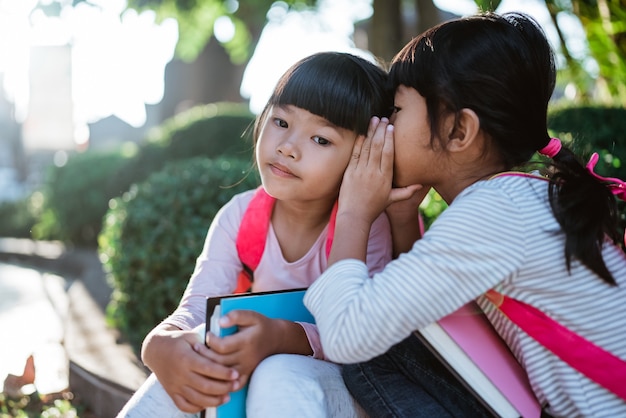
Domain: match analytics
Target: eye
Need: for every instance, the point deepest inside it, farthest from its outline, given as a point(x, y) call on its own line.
point(320, 140)
point(280, 123)
point(395, 109)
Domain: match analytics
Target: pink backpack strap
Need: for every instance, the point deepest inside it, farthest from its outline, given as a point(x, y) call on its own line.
point(597, 364)
point(252, 235)
point(331, 230)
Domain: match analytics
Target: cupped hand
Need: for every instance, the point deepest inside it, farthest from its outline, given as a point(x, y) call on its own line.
point(183, 365)
point(366, 189)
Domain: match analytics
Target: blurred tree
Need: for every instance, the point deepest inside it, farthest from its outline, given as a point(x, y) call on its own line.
point(212, 71)
point(392, 24)
point(197, 20)
point(604, 23)
point(395, 22)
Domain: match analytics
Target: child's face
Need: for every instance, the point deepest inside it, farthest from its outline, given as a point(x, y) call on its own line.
point(302, 156)
point(415, 162)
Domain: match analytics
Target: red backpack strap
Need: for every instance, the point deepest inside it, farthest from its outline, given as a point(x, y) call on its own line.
point(252, 235)
point(331, 230)
point(597, 364)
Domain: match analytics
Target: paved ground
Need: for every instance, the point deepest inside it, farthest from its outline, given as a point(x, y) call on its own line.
point(52, 303)
point(32, 325)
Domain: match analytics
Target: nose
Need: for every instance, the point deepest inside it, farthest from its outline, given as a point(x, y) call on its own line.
point(288, 147)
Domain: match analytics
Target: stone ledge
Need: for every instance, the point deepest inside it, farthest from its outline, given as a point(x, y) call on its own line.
point(104, 397)
point(103, 372)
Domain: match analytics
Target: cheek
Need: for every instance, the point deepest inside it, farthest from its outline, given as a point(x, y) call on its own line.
point(262, 145)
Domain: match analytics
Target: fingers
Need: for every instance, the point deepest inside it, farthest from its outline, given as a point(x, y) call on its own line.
point(386, 150)
point(206, 384)
point(240, 318)
point(378, 145)
point(203, 393)
point(356, 150)
point(372, 131)
point(404, 193)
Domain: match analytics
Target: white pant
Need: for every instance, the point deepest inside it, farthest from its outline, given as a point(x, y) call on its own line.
point(284, 385)
point(150, 401)
point(289, 385)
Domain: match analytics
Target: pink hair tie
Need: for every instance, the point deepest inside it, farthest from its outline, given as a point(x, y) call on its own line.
point(552, 149)
point(617, 186)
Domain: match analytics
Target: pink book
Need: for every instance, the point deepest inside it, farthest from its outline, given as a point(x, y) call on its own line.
point(466, 341)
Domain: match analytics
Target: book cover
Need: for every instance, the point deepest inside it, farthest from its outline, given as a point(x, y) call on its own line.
point(280, 304)
point(467, 342)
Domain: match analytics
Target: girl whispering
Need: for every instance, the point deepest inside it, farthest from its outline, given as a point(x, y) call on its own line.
point(471, 98)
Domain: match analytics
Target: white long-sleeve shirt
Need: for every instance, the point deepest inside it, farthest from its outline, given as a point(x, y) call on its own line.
point(497, 234)
point(218, 266)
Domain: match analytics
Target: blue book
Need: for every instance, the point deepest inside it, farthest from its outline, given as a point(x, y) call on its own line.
point(280, 304)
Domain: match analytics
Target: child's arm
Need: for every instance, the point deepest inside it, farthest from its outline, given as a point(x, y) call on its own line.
point(194, 381)
point(406, 222)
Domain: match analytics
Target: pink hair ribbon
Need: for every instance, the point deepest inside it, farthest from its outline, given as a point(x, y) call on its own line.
point(552, 149)
point(617, 186)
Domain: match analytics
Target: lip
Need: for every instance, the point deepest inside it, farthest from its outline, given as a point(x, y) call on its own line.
point(281, 170)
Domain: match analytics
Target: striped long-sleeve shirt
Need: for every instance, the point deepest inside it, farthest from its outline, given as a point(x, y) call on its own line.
point(497, 234)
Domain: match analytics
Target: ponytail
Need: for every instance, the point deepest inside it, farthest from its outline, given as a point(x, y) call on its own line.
point(585, 207)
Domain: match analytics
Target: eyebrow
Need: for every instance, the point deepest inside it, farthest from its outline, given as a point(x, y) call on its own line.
point(288, 108)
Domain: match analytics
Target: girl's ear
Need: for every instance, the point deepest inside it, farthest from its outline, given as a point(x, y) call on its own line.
point(464, 133)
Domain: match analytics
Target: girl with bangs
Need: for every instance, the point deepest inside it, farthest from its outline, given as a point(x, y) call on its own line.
point(304, 140)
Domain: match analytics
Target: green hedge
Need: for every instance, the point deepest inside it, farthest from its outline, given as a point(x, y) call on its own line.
point(153, 234)
point(17, 218)
point(598, 129)
point(77, 195)
point(213, 130)
point(594, 129)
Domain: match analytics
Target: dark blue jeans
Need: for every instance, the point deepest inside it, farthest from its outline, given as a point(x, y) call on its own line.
point(409, 381)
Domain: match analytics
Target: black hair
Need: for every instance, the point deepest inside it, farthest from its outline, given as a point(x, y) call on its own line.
point(503, 68)
point(345, 89)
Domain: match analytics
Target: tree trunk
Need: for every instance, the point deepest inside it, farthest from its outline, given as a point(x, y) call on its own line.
point(386, 28)
point(428, 15)
point(212, 77)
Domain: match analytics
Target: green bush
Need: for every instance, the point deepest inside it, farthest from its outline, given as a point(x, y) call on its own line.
point(590, 129)
point(153, 234)
point(17, 218)
point(76, 197)
point(594, 129)
point(213, 130)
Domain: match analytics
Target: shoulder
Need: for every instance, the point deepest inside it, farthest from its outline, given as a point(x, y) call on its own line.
point(241, 200)
point(497, 209)
point(504, 193)
point(232, 212)
point(489, 206)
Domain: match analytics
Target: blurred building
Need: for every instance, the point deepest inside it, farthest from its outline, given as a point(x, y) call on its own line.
point(13, 170)
point(49, 123)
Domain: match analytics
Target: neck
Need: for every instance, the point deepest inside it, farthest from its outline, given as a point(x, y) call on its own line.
point(298, 225)
point(302, 215)
point(452, 188)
